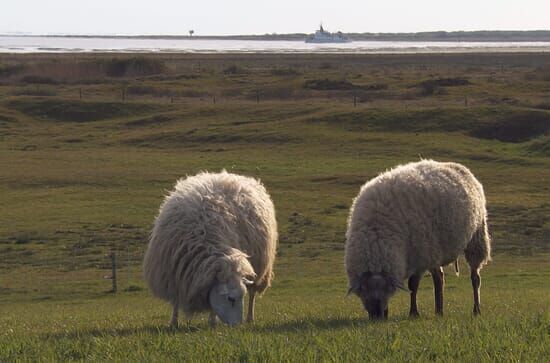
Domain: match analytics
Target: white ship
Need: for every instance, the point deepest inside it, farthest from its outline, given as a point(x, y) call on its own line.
point(323, 36)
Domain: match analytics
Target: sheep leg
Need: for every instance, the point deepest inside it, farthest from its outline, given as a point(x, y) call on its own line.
point(174, 319)
point(414, 281)
point(476, 283)
point(251, 299)
point(213, 319)
point(386, 313)
point(439, 281)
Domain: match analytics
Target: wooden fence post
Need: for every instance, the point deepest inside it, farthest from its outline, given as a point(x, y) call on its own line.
point(113, 270)
point(129, 271)
point(74, 257)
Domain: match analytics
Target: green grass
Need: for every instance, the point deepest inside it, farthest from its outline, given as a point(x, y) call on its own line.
point(305, 316)
point(81, 178)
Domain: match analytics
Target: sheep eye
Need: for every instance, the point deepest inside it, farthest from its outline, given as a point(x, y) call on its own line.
point(231, 300)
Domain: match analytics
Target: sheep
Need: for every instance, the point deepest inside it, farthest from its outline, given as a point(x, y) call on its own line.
point(415, 218)
point(215, 237)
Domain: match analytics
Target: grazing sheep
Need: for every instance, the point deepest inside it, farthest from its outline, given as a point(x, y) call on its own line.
point(215, 238)
point(411, 219)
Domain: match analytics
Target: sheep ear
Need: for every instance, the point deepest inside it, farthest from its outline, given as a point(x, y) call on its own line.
point(247, 282)
point(398, 284)
point(356, 286)
point(352, 290)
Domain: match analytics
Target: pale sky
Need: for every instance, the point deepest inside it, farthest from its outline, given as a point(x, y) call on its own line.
point(217, 17)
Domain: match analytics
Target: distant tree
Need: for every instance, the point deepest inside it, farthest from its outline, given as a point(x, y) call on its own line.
point(191, 32)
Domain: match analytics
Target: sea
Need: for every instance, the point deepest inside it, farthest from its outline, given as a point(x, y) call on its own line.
point(60, 44)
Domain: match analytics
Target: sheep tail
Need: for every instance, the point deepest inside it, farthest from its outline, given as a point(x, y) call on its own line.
point(457, 270)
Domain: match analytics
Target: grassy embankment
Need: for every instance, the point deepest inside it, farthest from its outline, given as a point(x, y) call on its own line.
point(83, 173)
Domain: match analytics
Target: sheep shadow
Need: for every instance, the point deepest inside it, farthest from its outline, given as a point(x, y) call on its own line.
point(297, 325)
point(311, 323)
point(123, 332)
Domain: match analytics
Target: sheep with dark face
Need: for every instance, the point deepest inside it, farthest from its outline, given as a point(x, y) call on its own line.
point(214, 239)
point(409, 220)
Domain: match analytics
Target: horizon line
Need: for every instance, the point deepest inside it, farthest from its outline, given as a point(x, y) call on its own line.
point(136, 35)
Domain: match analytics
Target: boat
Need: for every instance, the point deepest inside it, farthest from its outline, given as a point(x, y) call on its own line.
point(323, 36)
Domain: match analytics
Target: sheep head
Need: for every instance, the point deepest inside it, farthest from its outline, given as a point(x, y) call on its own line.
point(226, 297)
point(375, 290)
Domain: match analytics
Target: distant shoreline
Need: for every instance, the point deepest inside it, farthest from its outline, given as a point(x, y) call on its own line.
point(439, 36)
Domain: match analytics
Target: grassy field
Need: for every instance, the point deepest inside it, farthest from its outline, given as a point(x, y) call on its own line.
point(89, 144)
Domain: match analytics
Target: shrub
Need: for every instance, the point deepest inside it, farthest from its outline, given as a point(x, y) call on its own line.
point(163, 92)
point(341, 85)
point(137, 66)
point(7, 70)
point(541, 73)
point(34, 91)
point(428, 88)
point(432, 86)
point(540, 146)
point(375, 87)
point(516, 128)
point(281, 93)
point(284, 72)
point(234, 69)
point(78, 111)
point(328, 85)
point(31, 78)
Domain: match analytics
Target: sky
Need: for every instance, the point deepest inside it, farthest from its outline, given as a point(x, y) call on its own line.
point(217, 17)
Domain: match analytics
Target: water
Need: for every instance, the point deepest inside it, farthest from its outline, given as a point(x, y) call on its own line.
point(11, 44)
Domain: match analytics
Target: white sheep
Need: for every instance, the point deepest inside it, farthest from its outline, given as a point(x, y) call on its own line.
point(412, 219)
point(215, 238)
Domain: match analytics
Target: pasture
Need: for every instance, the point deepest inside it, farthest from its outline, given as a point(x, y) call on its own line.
point(89, 145)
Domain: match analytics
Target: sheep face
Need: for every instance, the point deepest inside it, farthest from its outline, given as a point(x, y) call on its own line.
point(226, 299)
point(375, 290)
